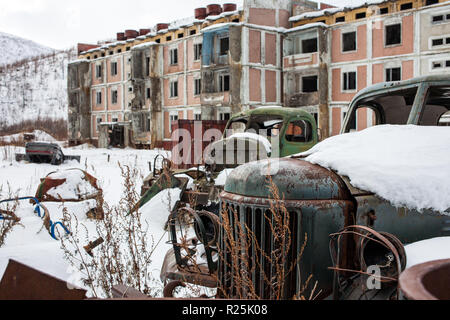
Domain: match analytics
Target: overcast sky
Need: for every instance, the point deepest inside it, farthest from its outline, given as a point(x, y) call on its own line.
point(62, 24)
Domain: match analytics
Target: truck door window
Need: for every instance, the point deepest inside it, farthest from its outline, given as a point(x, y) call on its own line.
point(438, 103)
point(299, 131)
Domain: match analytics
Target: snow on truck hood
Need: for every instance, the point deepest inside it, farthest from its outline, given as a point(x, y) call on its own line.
point(407, 165)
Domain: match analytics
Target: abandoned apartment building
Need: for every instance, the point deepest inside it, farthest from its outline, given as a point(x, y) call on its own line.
point(225, 59)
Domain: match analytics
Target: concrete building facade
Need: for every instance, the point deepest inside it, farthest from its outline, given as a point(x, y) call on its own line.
point(225, 60)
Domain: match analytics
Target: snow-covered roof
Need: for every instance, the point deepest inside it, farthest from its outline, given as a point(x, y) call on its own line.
point(144, 45)
point(307, 26)
point(330, 11)
point(406, 164)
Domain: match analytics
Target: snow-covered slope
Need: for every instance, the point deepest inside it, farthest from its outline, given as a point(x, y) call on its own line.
point(13, 49)
point(35, 88)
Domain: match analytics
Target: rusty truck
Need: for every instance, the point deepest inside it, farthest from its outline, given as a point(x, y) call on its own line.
point(320, 203)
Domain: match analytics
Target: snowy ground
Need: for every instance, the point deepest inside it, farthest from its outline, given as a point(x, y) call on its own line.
point(31, 244)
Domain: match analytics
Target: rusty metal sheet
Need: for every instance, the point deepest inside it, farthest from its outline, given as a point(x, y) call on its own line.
point(21, 282)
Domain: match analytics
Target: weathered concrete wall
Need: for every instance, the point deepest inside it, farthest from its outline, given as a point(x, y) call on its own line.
point(79, 92)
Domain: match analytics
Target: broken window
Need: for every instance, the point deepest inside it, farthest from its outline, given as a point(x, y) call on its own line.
point(193, 32)
point(309, 45)
point(180, 35)
point(224, 46)
point(99, 97)
point(158, 40)
point(406, 6)
point(197, 51)
point(224, 83)
point(147, 66)
point(393, 34)
point(299, 131)
point(438, 18)
point(98, 70)
point(169, 38)
point(173, 56)
point(309, 84)
point(197, 86)
point(113, 68)
point(349, 81)
point(174, 89)
point(430, 2)
point(148, 95)
point(360, 15)
point(349, 41)
point(340, 19)
point(384, 10)
point(114, 96)
point(393, 74)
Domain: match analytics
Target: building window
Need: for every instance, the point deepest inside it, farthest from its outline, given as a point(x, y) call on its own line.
point(173, 117)
point(193, 32)
point(440, 41)
point(224, 46)
point(98, 70)
point(115, 120)
point(309, 45)
point(111, 53)
point(114, 96)
point(169, 38)
point(384, 10)
point(440, 64)
point(113, 68)
point(148, 92)
point(197, 51)
point(224, 116)
point(99, 97)
point(340, 19)
point(99, 120)
point(309, 84)
point(224, 83)
point(441, 18)
point(130, 89)
point(173, 56)
point(349, 41)
point(197, 86)
point(128, 48)
point(147, 66)
point(198, 117)
point(119, 50)
point(393, 34)
point(406, 6)
point(174, 89)
point(360, 15)
point(158, 40)
point(393, 74)
point(349, 81)
point(180, 35)
point(430, 2)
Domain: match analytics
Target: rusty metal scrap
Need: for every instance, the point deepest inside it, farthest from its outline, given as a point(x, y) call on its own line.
point(92, 245)
point(22, 282)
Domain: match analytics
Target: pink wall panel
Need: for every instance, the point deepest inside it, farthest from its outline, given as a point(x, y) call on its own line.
point(255, 46)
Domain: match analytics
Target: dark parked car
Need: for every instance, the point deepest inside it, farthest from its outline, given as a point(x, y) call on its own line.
point(43, 152)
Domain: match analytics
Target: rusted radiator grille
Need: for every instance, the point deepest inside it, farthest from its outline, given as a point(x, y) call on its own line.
point(254, 261)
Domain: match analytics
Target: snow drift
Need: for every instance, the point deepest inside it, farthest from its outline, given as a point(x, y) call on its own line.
point(405, 164)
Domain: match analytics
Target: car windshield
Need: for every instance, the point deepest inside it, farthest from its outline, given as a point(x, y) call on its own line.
point(266, 125)
point(395, 107)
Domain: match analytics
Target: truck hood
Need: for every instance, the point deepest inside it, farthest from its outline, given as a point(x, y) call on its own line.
point(295, 179)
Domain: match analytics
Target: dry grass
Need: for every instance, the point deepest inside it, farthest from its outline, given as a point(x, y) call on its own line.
point(8, 212)
point(55, 128)
point(125, 256)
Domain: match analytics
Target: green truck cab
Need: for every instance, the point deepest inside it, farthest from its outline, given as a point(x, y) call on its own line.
point(262, 133)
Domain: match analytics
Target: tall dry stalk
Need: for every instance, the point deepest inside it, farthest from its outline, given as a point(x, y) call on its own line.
point(125, 256)
point(243, 254)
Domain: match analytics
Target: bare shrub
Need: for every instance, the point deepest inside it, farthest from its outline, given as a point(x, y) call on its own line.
point(125, 256)
point(56, 128)
point(8, 216)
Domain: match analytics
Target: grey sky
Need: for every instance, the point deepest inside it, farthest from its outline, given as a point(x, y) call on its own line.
point(61, 24)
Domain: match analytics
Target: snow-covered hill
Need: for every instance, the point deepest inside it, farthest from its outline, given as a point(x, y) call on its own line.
point(13, 49)
point(35, 88)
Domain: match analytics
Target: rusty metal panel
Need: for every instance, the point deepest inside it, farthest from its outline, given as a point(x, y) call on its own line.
point(21, 282)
